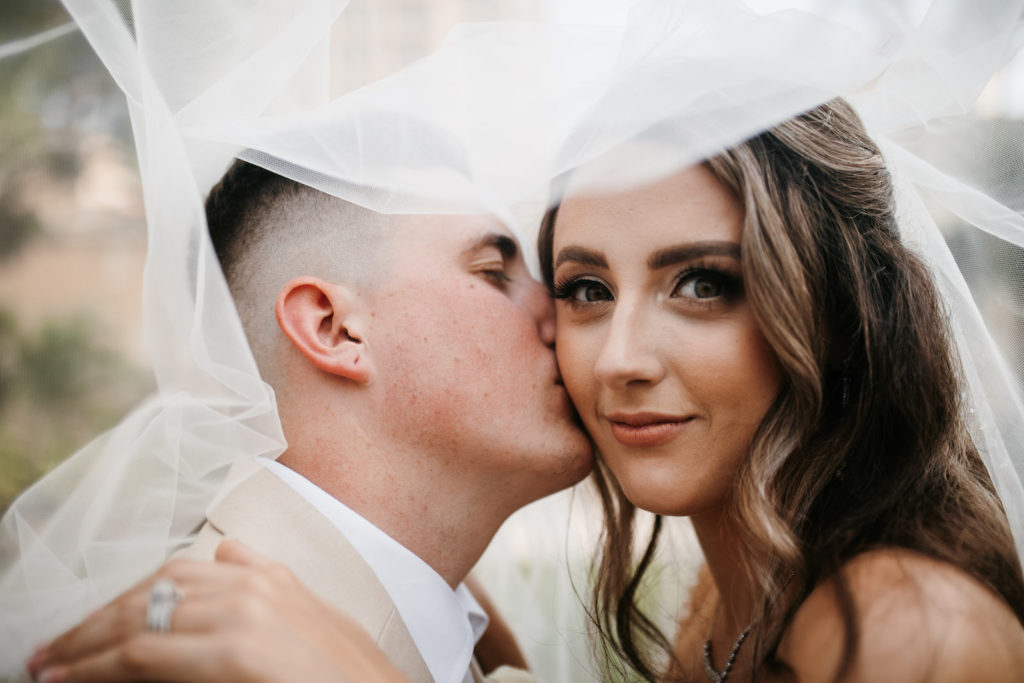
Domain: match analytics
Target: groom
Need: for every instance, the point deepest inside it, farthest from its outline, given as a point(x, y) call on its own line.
point(412, 361)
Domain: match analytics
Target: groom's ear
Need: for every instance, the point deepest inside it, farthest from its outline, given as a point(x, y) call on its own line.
point(325, 322)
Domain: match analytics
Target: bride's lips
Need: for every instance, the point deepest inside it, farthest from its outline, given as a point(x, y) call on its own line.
point(645, 430)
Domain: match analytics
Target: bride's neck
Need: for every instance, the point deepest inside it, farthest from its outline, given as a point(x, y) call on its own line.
point(727, 559)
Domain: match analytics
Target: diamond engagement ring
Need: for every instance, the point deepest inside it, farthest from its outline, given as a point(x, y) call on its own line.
point(164, 596)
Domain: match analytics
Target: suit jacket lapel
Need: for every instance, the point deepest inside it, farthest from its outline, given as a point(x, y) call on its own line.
point(268, 515)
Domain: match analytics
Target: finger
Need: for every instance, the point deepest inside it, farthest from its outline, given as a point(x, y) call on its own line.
point(126, 615)
point(204, 609)
point(118, 620)
point(167, 657)
point(233, 551)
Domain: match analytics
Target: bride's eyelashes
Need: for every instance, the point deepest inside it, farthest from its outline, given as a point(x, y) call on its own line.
point(581, 290)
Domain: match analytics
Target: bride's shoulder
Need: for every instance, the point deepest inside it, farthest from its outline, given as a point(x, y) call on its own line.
point(917, 618)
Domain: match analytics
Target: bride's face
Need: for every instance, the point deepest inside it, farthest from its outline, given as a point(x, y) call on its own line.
point(657, 343)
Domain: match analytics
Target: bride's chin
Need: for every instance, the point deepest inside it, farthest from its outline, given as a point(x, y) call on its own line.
point(664, 493)
point(658, 506)
point(654, 497)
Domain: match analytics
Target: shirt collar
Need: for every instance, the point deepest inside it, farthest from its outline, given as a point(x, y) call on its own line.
point(444, 624)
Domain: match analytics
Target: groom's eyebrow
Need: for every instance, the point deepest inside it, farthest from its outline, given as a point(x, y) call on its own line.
point(503, 243)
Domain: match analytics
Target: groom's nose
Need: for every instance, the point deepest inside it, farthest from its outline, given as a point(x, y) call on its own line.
point(542, 309)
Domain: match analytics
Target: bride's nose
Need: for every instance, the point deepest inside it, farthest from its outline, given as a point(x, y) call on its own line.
point(629, 355)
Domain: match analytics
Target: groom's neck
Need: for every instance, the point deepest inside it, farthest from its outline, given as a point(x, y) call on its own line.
point(446, 520)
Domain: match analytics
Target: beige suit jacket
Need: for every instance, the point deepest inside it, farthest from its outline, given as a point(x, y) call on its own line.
point(275, 521)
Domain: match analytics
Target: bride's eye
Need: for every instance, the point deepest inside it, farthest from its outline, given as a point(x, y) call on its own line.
point(589, 292)
point(703, 285)
point(582, 291)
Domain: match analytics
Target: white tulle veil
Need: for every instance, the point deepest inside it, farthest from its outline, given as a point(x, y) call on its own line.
point(494, 102)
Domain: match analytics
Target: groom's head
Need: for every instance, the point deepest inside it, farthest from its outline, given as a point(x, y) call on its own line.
point(420, 338)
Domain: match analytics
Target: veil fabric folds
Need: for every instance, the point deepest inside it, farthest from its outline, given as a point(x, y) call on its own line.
point(484, 116)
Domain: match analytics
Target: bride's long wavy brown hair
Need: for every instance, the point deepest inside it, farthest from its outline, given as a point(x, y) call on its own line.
point(866, 445)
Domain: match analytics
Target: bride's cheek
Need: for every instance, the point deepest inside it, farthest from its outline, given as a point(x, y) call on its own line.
point(573, 363)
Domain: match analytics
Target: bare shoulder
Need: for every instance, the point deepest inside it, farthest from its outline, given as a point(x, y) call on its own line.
point(919, 619)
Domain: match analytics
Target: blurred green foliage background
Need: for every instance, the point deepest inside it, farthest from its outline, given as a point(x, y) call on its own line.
point(55, 395)
point(65, 373)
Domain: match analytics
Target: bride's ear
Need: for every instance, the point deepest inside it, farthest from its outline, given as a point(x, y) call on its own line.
point(325, 323)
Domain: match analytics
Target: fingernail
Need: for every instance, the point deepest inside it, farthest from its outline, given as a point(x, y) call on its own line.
point(55, 674)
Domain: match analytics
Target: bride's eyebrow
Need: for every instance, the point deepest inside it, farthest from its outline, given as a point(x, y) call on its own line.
point(581, 255)
point(671, 256)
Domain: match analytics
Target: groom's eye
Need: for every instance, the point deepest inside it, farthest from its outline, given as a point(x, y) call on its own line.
point(498, 277)
point(492, 256)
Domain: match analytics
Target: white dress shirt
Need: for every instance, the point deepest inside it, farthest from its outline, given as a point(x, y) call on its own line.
point(444, 624)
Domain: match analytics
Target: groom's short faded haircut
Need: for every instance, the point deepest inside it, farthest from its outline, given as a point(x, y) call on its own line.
point(237, 204)
point(267, 229)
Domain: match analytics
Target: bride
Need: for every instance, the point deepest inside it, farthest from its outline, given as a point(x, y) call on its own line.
point(790, 504)
point(764, 356)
